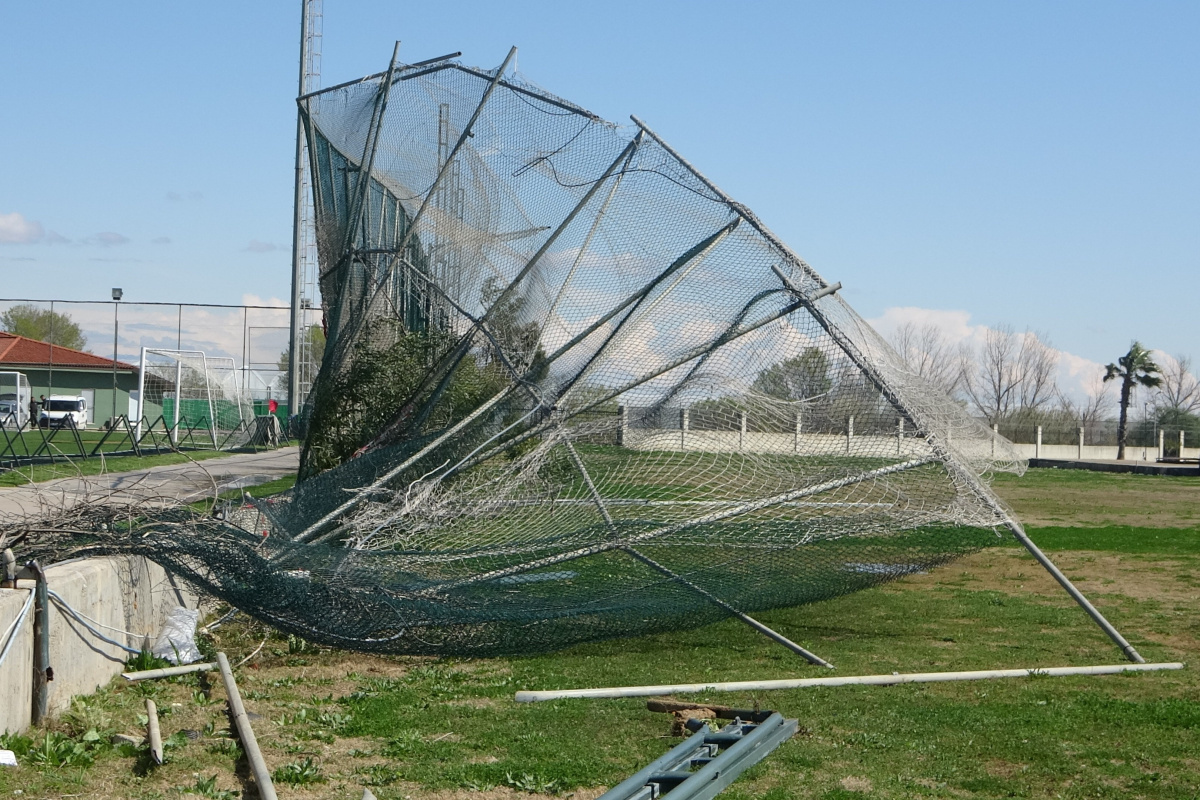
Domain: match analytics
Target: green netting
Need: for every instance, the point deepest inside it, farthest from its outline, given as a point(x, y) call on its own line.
point(571, 391)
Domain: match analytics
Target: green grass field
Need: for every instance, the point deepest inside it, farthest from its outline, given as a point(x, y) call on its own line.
point(334, 722)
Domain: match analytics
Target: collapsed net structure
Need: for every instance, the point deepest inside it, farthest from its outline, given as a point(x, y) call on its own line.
point(573, 391)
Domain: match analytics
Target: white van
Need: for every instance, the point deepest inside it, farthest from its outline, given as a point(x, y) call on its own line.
point(59, 407)
point(14, 399)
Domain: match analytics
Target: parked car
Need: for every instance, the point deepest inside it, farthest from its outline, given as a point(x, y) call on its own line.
point(59, 408)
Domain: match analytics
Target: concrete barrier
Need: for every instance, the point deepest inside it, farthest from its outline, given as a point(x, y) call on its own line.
point(126, 598)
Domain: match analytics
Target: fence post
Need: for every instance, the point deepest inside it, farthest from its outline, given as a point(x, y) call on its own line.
point(622, 426)
point(849, 433)
point(899, 434)
point(1080, 456)
point(1181, 444)
point(1161, 441)
point(995, 435)
point(742, 431)
point(1037, 448)
point(796, 443)
point(683, 428)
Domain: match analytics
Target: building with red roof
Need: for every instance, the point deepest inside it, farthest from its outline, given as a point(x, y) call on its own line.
point(57, 370)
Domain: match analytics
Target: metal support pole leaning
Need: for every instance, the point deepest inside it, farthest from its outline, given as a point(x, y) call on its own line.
point(808, 655)
point(262, 776)
point(1128, 649)
point(670, 573)
point(42, 671)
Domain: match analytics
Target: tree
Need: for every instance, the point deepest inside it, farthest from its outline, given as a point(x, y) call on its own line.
point(315, 337)
point(1014, 374)
point(928, 354)
point(32, 322)
point(1135, 368)
point(798, 378)
point(1181, 390)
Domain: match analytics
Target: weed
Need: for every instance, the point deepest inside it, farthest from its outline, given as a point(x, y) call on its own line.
point(296, 645)
point(20, 745)
point(299, 773)
point(478, 786)
point(225, 747)
point(207, 787)
point(59, 750)
point(146, 660)
point(380, 775)
point(528, 782)
point(403, 742)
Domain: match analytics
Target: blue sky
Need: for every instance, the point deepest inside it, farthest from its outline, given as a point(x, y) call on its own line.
point(1031, 164)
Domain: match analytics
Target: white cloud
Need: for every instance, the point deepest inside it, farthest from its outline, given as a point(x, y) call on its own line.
point(1077, 376)
point(255, 300)
point(15, 229)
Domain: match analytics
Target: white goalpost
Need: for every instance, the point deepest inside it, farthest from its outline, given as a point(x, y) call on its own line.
point(192, 392)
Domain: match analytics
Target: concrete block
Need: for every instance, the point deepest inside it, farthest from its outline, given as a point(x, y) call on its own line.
point(16, 673)
point(125, 598)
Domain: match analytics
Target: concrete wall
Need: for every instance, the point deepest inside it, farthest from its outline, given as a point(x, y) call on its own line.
point(1091, 452)
point(127, 593)
point(809, 444)
point(751, 442)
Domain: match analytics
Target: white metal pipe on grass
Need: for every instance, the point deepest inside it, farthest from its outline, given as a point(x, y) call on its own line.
point(848, 680)
point(168, 672)
point(153, 735)
point(262, 776)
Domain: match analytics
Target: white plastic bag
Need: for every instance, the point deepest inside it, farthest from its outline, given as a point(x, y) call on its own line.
point(177, 642)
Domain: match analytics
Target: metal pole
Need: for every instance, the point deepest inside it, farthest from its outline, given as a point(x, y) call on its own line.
point(42, 672)
point(670, 573)
point(847, 680)
point(262, 776)
point(298, 234)
point(141, 406)
point(178, 400)
point(1076, 595)
point(168, 672)
point(153, 735)
point(116, 305)
point(212, 411)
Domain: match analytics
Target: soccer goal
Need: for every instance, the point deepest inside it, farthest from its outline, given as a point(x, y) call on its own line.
point(191, 397)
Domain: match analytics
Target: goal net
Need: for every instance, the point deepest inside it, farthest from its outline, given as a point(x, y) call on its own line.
point(191, 397)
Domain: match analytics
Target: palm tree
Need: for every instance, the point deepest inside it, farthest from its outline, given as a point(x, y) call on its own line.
point(1135, 367)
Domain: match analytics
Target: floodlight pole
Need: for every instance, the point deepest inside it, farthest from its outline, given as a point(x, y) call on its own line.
point(299, 234)
point(939, 448)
